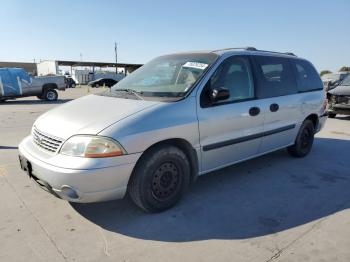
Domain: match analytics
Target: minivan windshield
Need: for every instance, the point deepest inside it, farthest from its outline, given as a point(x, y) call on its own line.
point(167, 76)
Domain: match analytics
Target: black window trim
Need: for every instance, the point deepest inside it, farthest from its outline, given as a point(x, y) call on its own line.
point(250, 64)
point(294, 69)
point(256, 72)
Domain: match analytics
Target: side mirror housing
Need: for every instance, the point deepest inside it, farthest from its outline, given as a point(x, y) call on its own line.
point(218, 94)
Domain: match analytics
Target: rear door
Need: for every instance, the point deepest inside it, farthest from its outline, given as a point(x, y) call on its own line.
point(230, 130)
point(279, 101)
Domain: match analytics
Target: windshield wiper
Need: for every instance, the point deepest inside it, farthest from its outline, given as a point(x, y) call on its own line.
point(131, 91)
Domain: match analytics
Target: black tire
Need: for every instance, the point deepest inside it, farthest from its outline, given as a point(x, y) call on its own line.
point(2, 100)
point(50, 94)
point(160, 178)
point(331, 115)
point(303, 142)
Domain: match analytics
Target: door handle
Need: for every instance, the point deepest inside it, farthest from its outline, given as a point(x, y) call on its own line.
point(254, 111)
point(274, 107)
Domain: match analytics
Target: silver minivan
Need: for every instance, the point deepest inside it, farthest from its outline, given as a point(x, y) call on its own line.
point(176, 118)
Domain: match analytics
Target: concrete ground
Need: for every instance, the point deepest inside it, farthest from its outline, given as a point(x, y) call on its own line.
point(274, 208)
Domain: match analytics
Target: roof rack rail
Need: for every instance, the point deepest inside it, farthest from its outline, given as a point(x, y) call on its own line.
point(274, 52)
point(250, 48)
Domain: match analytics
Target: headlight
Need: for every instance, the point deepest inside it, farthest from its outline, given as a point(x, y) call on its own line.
point(92, 147)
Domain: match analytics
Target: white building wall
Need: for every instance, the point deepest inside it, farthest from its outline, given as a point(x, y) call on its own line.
point(47, 67)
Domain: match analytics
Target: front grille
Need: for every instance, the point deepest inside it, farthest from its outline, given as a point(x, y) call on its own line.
point(45, 141)
point(343, 99)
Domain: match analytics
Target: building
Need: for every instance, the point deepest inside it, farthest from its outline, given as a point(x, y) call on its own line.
point(83, 72)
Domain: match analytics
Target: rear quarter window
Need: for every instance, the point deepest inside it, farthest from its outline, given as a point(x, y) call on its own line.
point(274, 76)
point(306, 76)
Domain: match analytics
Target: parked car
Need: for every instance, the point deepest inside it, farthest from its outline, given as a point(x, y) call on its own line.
point(332, 80)
point(15, 82)
point(103, 82)
point(176, 118)
point(339, 99)
point(70, 82)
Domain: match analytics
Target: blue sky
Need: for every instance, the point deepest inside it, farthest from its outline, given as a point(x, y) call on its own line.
point(317, 30)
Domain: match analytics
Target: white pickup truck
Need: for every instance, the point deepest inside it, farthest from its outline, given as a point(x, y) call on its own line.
point(15, 82)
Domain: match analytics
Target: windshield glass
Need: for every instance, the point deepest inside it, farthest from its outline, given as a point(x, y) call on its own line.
point(346, 81)
point(170, 75)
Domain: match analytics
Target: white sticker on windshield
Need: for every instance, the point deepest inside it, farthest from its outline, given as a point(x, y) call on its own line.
point(197, 65)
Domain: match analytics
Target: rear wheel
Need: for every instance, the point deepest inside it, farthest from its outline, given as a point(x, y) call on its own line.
point(160, 178)
point(303, 142)
point(50, 95)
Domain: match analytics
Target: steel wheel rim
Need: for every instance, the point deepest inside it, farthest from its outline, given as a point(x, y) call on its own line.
point(50, 95)
point(166, 181)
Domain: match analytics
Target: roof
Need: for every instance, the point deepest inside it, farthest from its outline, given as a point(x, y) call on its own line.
point(250, 50)
point(98, 64)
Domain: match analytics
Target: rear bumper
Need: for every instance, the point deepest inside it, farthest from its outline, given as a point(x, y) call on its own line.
point(78, 184)
point(321, 122)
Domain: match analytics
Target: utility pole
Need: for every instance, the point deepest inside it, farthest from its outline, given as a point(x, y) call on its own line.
point(116, 57)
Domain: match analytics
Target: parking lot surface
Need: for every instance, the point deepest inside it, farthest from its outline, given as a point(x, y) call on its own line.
point(273, 208)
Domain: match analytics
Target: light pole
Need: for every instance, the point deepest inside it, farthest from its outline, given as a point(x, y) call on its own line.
point(116, 57)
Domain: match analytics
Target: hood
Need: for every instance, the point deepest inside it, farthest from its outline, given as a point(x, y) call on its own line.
point(340, 91)
point(88, 115)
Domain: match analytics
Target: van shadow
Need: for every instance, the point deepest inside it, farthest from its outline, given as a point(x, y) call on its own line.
point(258, 197)
point(34, 102)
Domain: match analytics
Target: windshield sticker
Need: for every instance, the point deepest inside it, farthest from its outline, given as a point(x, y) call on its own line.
point(197, 65)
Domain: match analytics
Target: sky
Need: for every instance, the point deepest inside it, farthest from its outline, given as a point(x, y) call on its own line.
point(40, 30)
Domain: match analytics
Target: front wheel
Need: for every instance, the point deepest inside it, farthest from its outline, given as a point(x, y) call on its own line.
point(160, 178)
point(50, 95)
point(331, 115)
point(303, 142)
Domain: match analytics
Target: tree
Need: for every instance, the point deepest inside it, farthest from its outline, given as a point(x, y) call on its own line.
point(325, 72)
point(345, 69)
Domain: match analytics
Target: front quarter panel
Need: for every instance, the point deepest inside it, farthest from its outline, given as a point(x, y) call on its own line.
point(156, 124)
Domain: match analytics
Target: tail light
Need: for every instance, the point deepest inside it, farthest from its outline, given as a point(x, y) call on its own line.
point(324, 105)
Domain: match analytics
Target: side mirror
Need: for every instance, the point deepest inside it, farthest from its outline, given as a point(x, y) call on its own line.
point(218, 94)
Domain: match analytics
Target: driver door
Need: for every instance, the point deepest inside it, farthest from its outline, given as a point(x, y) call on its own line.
point(230, 130)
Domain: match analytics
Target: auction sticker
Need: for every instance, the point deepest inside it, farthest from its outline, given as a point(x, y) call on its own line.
point(197, 65)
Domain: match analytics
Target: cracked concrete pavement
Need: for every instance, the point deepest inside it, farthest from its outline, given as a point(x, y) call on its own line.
point(273, 208)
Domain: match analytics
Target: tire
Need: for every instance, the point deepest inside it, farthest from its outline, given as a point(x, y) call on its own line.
point(304, 141)
point(97, 85)
point(160, 178)
point(50, 94)
point(331, 115)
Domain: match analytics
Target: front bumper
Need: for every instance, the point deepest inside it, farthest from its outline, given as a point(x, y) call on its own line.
point(79, 179)
point(343, 109)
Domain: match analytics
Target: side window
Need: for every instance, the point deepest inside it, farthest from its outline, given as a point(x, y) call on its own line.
point(235, 75)
point(307, 76)
point(275, 77)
